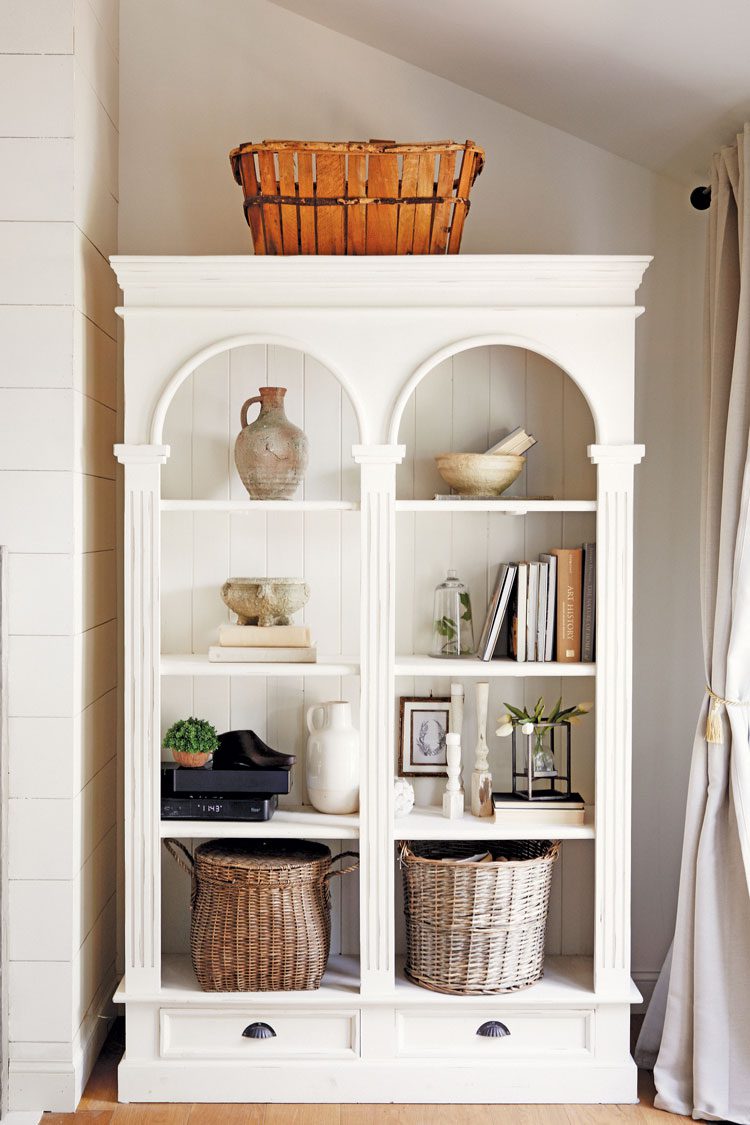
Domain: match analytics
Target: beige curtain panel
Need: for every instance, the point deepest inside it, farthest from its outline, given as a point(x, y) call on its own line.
point(703, 1000)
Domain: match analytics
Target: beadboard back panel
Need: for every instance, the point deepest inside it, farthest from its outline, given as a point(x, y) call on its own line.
point(465, 404)
point(201, 550)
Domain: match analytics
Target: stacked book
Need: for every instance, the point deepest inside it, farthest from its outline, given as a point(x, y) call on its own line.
point(544, 610)
point(265, 644)
point(515, 811)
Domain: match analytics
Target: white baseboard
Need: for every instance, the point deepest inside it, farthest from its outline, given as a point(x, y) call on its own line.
point(39, 1085)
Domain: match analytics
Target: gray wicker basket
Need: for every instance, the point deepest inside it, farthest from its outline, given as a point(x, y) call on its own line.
point(476, 928)
point(261, 913)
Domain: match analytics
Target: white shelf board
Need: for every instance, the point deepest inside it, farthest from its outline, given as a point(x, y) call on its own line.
point(298, 824)
point(238, 507)
point(428, 823)
point(179, 985)
point(471, 667)
point(568, 982)
point(509, 507)
point(198, 664)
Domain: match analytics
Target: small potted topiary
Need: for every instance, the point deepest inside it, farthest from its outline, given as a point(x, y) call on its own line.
point(192, 742)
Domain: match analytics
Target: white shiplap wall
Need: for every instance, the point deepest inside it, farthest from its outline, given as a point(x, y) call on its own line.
point(58, 420)
point(465, 404)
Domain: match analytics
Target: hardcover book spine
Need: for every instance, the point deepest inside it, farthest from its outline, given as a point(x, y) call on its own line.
point(569, 568)
point(518, 629)
point(532, 607)
point(588, 624)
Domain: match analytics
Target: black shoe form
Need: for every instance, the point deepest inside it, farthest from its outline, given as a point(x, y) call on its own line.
point(242, 749)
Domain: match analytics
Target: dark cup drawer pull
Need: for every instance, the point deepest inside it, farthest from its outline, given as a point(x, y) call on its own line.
point(492, 1029)
point(259, 1031)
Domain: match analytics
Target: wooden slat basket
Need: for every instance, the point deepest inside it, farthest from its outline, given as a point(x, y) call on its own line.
point(476, 928)
point(261, 913)
point(356, 197)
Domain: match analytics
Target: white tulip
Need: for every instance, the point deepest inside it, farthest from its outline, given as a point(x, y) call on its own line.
point(527, 728)
point(504, 730)
point(505, 719)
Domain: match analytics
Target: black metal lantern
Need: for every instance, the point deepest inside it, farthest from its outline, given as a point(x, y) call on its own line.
point(541, 761)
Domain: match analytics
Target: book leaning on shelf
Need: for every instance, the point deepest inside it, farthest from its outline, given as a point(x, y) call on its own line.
point(545, 609)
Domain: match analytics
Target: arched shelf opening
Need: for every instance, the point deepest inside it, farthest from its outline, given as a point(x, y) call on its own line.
point(199, 418)
point(211, 531)
point(469, 398)
point(466, 400)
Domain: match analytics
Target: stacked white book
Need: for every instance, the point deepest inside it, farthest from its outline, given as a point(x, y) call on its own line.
point(513, 810)
point(264, 644)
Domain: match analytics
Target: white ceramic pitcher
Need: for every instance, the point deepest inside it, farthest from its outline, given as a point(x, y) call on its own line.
point(332, 761)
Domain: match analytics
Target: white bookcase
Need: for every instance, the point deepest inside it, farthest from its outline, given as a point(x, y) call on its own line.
point(388, 361)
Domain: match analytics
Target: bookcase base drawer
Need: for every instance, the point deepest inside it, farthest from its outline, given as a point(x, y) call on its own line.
point(425, 1033)
point(257, 1034)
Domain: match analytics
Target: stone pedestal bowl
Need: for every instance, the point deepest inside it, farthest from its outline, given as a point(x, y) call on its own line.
point(265, 601)
point(479, 474)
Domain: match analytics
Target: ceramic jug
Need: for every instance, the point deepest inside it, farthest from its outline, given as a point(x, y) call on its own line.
point(332, 761)
point(271, 452)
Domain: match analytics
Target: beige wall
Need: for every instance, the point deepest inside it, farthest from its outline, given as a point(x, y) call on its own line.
point(58, 399)
point(197, 79)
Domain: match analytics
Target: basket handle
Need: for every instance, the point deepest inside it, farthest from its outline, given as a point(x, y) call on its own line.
point(344, 870)
point(172, 847)
point(243, 412)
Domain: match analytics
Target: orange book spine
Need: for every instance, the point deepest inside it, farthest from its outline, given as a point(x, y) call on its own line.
point(569, 582)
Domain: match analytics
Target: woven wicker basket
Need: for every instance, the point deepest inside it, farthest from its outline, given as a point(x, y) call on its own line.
point(356, 197)
point(476, 928)
point(261, 913)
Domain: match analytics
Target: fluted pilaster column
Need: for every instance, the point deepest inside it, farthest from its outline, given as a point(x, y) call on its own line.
point(378, 494)
point(141, 712)
point(614, 665)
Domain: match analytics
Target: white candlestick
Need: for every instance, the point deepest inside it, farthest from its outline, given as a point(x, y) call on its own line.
point(453, 798)
point(481, 778)
point(457, 718)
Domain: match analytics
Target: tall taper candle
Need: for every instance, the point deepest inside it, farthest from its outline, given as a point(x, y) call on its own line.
point(481, 778)
point(456, 720)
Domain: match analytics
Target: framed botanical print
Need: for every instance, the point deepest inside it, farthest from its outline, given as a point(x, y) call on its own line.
point(422, 750)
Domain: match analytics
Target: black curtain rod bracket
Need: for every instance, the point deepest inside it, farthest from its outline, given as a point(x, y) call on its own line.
point(700, 198)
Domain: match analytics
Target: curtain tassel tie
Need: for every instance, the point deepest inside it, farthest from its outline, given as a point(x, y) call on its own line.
point(714, 731)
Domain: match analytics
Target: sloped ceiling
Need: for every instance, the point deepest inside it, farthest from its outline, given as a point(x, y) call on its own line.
point(661, 82)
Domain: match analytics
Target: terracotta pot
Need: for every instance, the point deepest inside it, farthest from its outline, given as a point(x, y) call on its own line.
point(271, 452)
point(192, 761)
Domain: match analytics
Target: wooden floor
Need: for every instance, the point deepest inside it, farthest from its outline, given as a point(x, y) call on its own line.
point(99, 1107)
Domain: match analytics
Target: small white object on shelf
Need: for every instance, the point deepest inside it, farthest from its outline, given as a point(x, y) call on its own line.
point(481, 778)
point(403, 797)
point(453, 798)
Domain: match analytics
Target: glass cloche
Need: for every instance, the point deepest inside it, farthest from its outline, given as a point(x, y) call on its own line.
point(452, 628)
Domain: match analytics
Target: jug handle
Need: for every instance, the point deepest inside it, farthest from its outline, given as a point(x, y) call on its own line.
point(310, 719)
point(243, 412)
